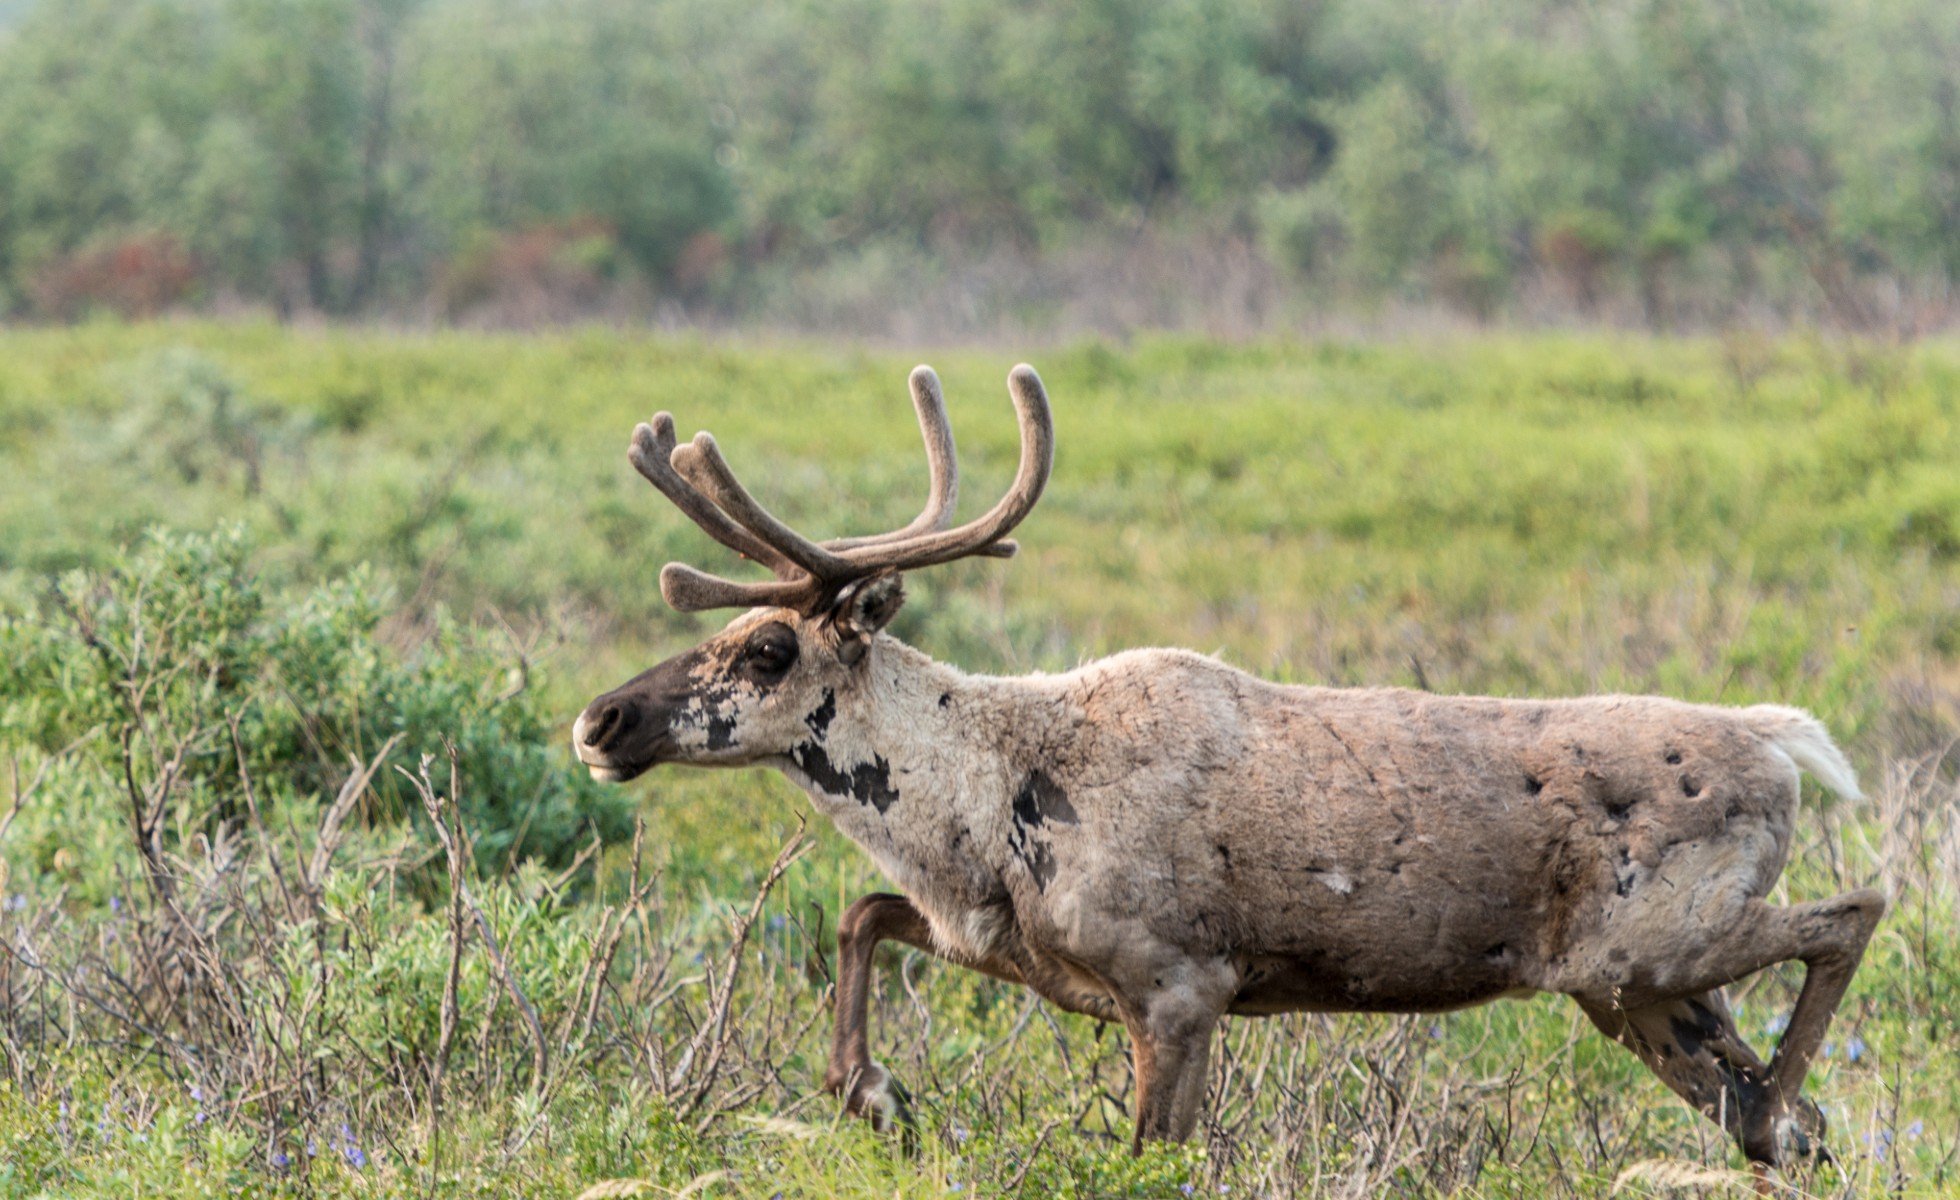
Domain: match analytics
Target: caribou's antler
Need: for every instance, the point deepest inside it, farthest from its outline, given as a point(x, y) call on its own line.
point(699, 481)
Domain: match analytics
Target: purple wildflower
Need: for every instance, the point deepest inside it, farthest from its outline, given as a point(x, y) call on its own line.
point(1854, 1048)
point(115, 904)
point(281, 1160)
point(1915, 1129)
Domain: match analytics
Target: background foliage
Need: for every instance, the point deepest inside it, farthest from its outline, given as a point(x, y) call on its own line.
point(328, 538)
point(949, 166)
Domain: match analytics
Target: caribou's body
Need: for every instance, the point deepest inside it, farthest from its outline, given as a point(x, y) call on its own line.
point(1159, 839)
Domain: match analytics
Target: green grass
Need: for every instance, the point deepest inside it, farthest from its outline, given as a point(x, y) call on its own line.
point(1735, 521)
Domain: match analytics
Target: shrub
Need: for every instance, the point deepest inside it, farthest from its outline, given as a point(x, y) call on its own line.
point(139, 275)
point(544, 272)
point(191, 680)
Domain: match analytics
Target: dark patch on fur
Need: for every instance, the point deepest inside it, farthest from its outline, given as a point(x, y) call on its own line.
point(819, 720)
point(1691, 1034)
point(1623, 874)
point(1041, 864)
point(1673, 758)
point(1039, 801)
point(945, 699)
point(1703, 1034)
point(1225, 855)
point(868, 783)
point(1689, 787)
point(1533, 784)
point(706, 709)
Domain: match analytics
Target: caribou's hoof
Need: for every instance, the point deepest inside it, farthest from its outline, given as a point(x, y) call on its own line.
point(1787, 1138)
point(870, 1092)
point(1801, 1134)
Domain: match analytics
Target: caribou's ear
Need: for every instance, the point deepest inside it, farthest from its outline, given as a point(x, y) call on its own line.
point(862, 610)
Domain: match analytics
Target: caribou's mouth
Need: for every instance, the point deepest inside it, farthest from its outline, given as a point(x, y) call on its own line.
point(617, 774)
point(611, 770)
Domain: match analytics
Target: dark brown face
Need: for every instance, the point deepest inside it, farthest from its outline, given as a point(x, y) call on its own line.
point(746, 694)
point(708, 705)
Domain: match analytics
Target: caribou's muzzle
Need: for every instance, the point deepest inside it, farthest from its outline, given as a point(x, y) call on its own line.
point(604, 739)
point(626, 732)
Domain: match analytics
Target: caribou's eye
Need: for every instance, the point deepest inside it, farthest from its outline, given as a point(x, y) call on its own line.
point(770, 654)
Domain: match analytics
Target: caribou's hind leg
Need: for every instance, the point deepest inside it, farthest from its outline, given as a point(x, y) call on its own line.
point(1827, 936)
point(1834, 934)
point(1693, 1046)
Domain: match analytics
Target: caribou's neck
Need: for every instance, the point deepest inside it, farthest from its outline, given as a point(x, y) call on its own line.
point(920, 767)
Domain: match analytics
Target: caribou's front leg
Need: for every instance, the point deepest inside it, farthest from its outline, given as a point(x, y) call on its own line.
point(868, 1089)
point(1170, 1049)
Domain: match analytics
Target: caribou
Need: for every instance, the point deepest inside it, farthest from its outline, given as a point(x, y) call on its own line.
point(1157, 839)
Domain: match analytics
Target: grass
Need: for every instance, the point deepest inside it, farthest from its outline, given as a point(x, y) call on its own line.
point(1727, 520)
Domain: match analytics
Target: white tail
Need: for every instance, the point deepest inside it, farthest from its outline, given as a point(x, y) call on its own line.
point(1804, 738)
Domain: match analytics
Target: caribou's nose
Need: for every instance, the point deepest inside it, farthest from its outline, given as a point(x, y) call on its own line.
point(605, 721)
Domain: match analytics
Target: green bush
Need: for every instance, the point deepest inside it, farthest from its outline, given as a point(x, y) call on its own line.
point(179, 651)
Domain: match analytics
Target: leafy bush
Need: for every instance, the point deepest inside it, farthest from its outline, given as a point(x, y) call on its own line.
point(189, 680)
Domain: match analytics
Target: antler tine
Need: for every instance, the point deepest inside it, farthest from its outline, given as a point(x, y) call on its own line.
point(651, 455)
point(701, 459)
point(942, 464)
point(984, 534)
point(690, 590)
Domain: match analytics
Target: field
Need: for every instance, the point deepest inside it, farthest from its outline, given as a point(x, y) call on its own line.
point(240, 565)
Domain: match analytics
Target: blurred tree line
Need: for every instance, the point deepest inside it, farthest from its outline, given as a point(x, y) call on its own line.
point(1667, 160)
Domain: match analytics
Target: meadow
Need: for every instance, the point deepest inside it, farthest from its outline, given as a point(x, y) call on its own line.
point(302, 894)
